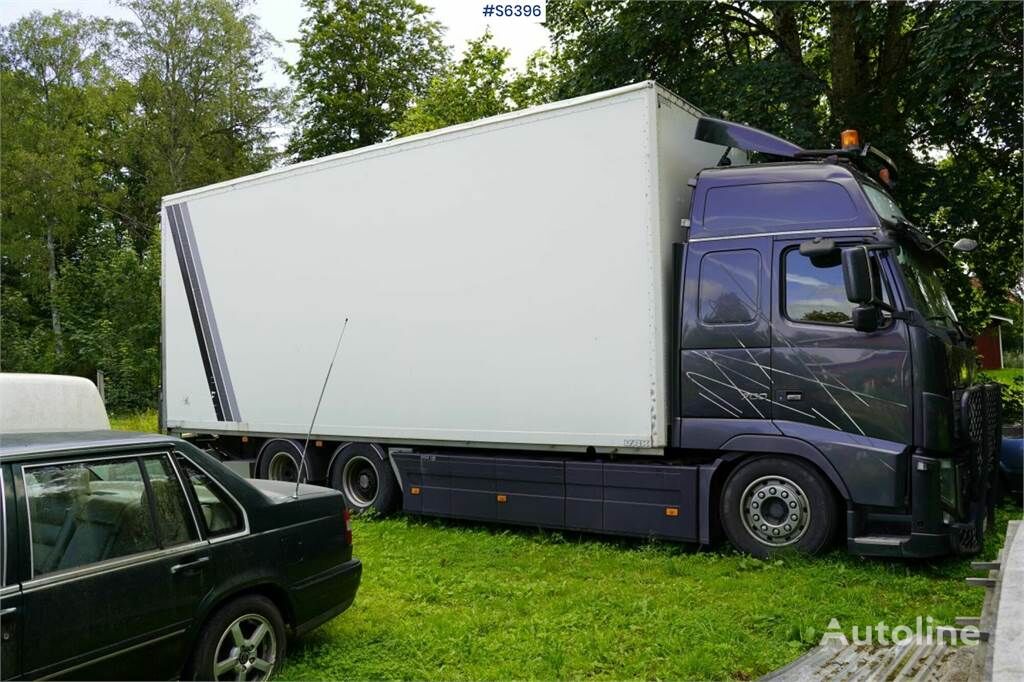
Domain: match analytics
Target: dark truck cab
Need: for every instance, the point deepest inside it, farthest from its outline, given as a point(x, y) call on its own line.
point(812, 324)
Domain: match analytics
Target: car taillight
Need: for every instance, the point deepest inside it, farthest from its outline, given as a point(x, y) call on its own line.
point(348, 525)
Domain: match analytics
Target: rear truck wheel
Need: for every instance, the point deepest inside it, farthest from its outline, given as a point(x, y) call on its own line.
point(775, 504)
point(281, 459)
point(244, 640)
point(363, 474)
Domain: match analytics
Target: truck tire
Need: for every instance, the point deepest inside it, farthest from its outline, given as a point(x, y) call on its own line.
point(245, 639)
point(775, 504)
point(363, 474)
point(281, 459)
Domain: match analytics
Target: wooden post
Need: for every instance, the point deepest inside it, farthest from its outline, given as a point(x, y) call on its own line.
point(99, 385)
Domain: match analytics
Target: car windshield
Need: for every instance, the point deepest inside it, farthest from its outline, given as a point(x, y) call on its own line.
point(925, 286)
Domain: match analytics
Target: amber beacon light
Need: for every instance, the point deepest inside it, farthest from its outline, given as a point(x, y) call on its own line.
point(850, 139)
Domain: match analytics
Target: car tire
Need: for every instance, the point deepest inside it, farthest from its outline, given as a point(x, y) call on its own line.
point(771, 505)
point(249, 634)
point(363, 474)
point(281, 460)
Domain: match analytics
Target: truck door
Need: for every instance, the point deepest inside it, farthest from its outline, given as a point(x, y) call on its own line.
point(725, 337)
point(848, 392)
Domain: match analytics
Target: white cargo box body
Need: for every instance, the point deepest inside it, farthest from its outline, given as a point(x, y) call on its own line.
point(507, 282)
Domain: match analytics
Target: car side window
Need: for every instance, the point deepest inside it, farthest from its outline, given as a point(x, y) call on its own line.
point(83, 513)
point(816, 293)
point(219, 512)
point(174, 519)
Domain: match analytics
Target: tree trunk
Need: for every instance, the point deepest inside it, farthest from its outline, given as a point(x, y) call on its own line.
point(787, 27)
point(51, 251)
point(845, 88)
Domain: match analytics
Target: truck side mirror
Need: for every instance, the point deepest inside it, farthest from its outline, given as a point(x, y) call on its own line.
point(867, 318)
point(857, 275)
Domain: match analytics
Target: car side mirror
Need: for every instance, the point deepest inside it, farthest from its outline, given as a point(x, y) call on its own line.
point(857, 275)
point(867, 318)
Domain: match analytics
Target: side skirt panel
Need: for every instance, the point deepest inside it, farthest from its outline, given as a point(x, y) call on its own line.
point(639, 500)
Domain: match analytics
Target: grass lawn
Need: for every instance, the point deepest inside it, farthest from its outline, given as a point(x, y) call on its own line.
point(1005, 375)
point(446, 600)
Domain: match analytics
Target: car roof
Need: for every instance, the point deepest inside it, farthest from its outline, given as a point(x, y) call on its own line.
point(18, 446)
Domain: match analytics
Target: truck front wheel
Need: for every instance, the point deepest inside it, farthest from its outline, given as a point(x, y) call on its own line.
point(774, 504)
point(362, 473)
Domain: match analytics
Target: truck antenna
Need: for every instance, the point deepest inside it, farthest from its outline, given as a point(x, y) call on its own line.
point(302, 462)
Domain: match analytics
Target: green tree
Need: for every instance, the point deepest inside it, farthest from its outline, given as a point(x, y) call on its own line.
point(922, 81)
point(202, 114)
point(99, 120)
point(55, 79)
point(478, 85)
point(361, 64)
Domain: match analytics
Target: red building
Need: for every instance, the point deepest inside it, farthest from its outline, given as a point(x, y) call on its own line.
point(989, 344)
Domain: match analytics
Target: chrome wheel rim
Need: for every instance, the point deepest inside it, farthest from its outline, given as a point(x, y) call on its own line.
point(775, 511)
point(247, 650)
point(359, 482)
point(282, 467)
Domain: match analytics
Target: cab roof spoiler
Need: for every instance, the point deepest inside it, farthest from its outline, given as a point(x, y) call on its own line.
point(739, 136)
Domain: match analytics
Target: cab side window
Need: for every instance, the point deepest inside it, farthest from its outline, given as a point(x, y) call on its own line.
point(219, 512)
point(729, 287)
point(817, 294)
point(84, 512)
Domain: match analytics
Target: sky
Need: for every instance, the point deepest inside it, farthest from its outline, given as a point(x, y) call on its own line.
point(463, 18)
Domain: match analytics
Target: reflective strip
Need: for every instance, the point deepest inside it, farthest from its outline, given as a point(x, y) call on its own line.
point(222, 391)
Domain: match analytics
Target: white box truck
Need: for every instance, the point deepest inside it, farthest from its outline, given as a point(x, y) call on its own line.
point(566, 316)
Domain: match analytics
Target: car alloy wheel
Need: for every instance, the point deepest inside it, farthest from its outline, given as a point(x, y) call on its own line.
point(246, 650)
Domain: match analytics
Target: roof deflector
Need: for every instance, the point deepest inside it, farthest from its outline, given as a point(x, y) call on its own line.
point(739, 136)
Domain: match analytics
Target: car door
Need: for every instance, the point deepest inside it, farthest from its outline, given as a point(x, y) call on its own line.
point(116, 566)
point(846, 391)
point(10, 589)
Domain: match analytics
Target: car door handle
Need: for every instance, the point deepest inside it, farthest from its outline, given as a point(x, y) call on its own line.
point(178, 568)
point(794, 396)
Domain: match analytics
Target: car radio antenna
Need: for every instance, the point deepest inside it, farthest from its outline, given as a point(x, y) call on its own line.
point(323, 389)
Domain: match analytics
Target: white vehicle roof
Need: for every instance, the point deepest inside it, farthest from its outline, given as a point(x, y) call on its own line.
point(38, 403)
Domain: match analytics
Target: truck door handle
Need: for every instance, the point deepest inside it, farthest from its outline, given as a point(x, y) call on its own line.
point(794, 396)
point(178, 568)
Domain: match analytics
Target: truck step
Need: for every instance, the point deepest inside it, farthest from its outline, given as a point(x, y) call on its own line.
point(881, 540)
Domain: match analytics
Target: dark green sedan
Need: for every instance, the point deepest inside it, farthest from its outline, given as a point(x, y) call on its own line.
point(138, 556)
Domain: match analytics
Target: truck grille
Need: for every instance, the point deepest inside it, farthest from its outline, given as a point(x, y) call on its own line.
point(979, 422)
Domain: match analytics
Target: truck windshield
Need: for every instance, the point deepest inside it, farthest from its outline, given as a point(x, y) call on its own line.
point(883, 204)
point(926, 288)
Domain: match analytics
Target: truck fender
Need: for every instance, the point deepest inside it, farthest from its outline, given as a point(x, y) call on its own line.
point(785, 445)
point(712, 476)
